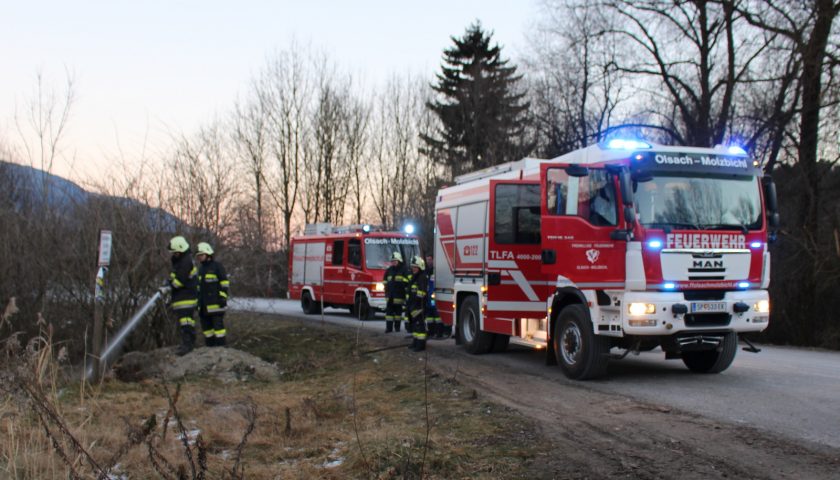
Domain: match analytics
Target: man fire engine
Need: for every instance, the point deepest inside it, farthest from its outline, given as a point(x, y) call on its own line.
point(343, 267)
point(622, 245)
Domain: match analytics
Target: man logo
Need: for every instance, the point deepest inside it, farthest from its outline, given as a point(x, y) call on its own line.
point(708, 264)
point(592, 255)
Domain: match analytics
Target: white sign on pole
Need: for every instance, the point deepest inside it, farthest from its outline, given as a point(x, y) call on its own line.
point(105, 248)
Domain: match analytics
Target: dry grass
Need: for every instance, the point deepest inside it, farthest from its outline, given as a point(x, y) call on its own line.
point(335, 414)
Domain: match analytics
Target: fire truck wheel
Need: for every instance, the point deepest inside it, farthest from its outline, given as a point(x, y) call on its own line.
point(309, 306)
point(361, 308)
point(474, 340)
point(580, 353)
point(713, 361)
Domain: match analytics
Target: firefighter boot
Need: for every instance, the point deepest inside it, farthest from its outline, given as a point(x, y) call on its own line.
point(389, 326)
point(187, 341)
point(413, 344)
point(396, 325)
point(220, 342)
point(421, 345)
point(210, 341)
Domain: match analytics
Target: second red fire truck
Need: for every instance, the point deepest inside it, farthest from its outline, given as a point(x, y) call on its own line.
point(618, 247)
point(343, 267)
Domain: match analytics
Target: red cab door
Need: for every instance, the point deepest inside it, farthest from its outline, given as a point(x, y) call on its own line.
point(516, 286)
point(579, 214)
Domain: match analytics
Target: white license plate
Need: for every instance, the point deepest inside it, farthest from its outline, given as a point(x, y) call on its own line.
point(708, 307)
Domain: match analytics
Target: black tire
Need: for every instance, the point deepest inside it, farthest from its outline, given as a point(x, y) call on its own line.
point(500, 343)
point(713, 361)
point(474, 339)
point(361, 308)
point(580, 353)
point(309, 306)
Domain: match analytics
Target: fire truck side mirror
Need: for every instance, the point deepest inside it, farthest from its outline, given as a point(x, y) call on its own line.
point(770, 196)
point(773, 220)
point(625, 183)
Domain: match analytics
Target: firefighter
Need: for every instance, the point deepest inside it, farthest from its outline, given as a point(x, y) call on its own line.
point(183, 283)
point(433, 324)
point(418, 291)
point(396, 280)
point(213, 289)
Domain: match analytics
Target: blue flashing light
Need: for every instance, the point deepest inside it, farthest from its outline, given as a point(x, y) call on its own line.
point(625, 144)
point(655, 244)
point(736, 150)
point(743, 284)
point(755, 245)
point(408, 229)
point(669, 286)
point(366, 228)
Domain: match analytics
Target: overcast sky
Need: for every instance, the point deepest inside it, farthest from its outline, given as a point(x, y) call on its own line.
point(143, 69)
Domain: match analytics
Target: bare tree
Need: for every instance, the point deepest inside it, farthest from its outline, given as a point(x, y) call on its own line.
point(356, 133)
point(395, 159)
point(251, 138)
point(574, 86)
point(202, 181)
point(691, 57)
point(286, 89)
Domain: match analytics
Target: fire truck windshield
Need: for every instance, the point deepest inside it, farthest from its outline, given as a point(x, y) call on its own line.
point(378, 255)
point(693, 202)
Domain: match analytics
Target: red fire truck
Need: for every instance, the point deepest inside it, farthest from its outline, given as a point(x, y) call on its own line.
point(614, 248)
point(343, 267)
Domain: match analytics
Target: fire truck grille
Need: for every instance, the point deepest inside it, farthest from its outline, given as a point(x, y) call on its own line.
point(707, 319)
point(694, 295)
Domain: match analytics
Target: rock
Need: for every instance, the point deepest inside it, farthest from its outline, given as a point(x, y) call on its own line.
point(225, 364)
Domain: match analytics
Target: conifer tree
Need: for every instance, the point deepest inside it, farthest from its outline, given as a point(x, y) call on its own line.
point(481, 112)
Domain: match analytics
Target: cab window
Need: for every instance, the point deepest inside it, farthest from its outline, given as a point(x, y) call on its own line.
point(517, 213)
point(592, 198)
point(338, 252)
point(354, 253)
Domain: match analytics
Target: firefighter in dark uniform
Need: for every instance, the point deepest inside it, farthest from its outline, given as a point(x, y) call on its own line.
point(417, 293)
point(183, 284)
point(396, 281)
point(433, 324)
point(213, 290)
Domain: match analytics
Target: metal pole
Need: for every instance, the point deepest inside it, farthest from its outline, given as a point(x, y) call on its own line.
point(98, 321)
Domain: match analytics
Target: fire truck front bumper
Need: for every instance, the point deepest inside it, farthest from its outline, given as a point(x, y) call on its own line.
point(377, 303)
point(666, 313)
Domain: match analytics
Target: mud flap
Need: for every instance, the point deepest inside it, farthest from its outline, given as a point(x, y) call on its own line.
point(550, 354)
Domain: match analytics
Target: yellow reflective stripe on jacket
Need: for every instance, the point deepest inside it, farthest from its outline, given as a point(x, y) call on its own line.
point(223, 294)
point(184, 304)
point(225, 283)
point(175, 282)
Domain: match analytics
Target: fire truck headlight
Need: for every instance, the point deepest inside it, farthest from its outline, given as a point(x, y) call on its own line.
point(379, 287)
point(636, 309)
point(762, 306)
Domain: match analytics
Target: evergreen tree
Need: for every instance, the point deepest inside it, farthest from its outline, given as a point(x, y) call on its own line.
point(481, 111)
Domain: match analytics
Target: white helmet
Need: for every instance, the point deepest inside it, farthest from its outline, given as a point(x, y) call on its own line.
point(204, 248)
point(418, 262)
point(397, 256)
